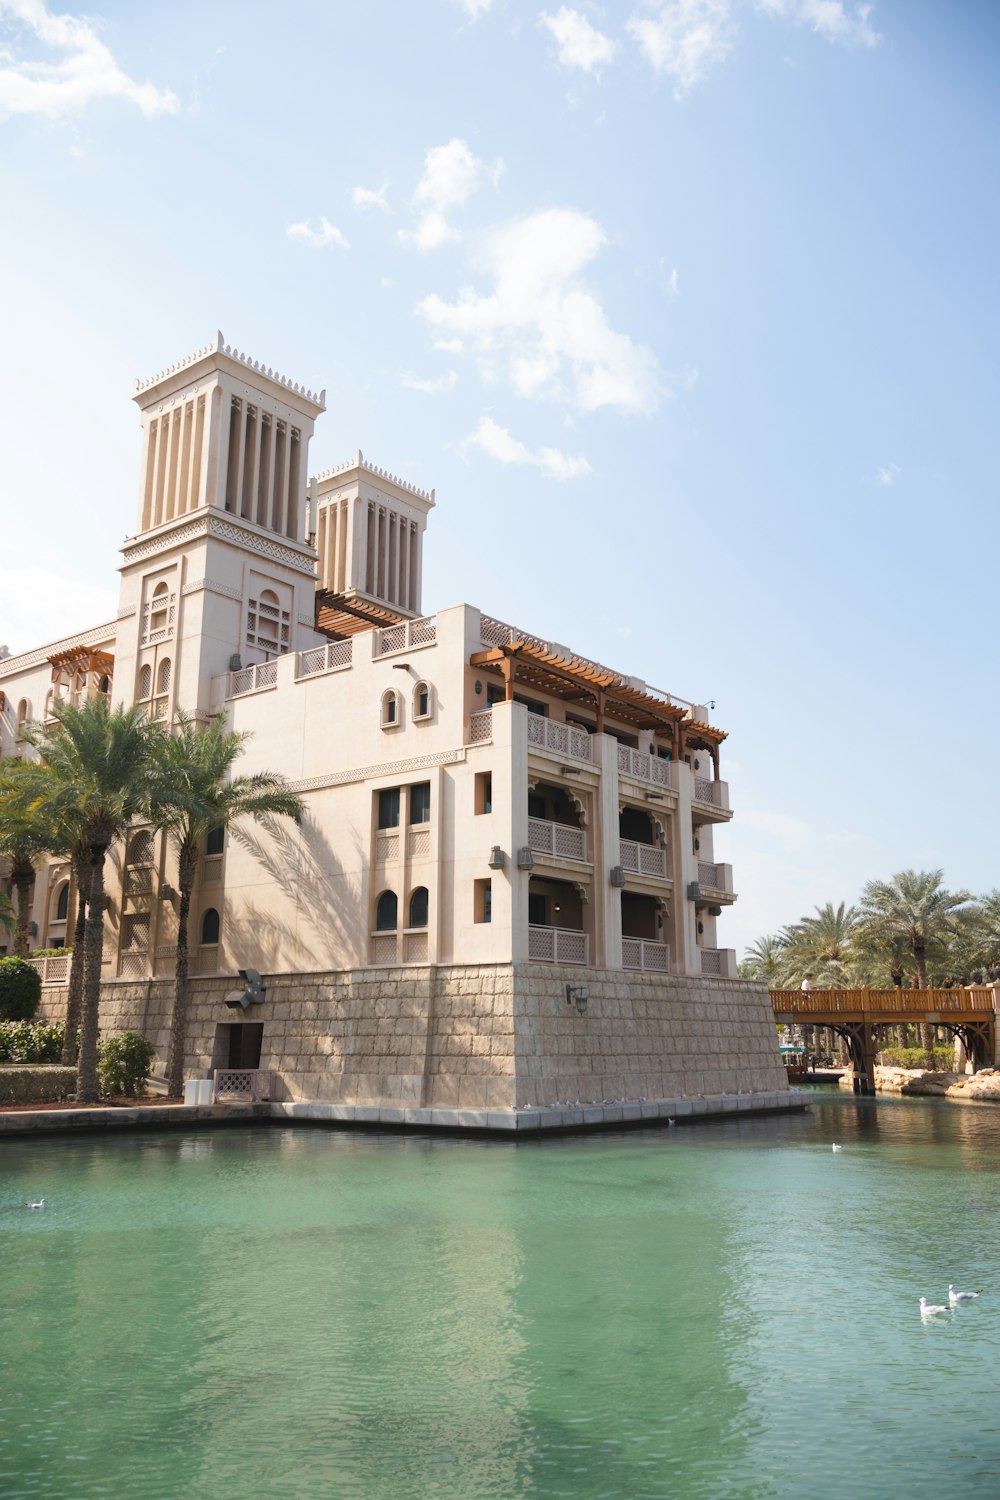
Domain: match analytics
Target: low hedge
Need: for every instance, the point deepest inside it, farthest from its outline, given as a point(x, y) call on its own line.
point(942, 1059)
point(31, 1041)
point(24, 1083)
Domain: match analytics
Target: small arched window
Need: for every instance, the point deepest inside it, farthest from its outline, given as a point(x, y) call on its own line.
point(422, 701)
point(140, 849)
point(49, 702)
point(385, 912)
point(105, 685)
point(390, 709)
point(145, 682)
point(215, 841)
point(62, 902)
point(163, 676)
point(158, 607)
point(418, 907)
point(210, 928)
point(23, 712)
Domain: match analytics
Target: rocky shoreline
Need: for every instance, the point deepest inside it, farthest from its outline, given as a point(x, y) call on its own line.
point(982, 1087)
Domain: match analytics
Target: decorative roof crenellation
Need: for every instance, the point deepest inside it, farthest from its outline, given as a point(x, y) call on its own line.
point(218, 345)
point(360, 462)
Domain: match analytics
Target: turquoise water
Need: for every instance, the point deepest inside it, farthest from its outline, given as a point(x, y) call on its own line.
point(715, 1312)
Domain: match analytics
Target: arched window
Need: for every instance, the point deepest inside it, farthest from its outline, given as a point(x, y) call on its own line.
point(385, 912)
point(215, 841)
point(158, 607)
point(105, 685)
point(418, 907)
point(140, 849)
point(210, 928)
point(422, 701)
point(49, 703)
point(23, 712)
point(390, 708)
point(62, 902)
point(163, 676)
point(145, 682)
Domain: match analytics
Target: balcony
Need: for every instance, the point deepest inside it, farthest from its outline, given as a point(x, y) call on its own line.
point(556, 945)
point(716, 881)
point(642, 766)
point(562, 739)
point(642, 859)
point(640, 953)
point(712, 796)
point(330, 658)
point(562, 840)
point(253, 679)
point(404, 637)
point(480, 730)
point(52, 970)
point(718, 963)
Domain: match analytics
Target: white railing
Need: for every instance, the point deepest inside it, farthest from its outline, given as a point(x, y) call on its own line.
point(480, 727)
point(386, 846)
point(404, 636)
point(255, 1084)
point(564, 739)
point(712, 877)
point(642, 766)
point(52, 970)
point(253, 679)
point(642, 859)
point(711, 962)
point(560, 839)
point(714, 792)
point(330, 658)
point(418, 843)
point(640, 953)
point(384, 948)
point(557, 945)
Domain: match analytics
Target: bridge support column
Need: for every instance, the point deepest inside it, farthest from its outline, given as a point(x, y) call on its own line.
point(860, 1038)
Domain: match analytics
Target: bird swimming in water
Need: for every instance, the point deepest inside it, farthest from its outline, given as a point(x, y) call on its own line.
point(931, 1309)
point(956, 1297)
point(835, 1147)
point(39, 1204)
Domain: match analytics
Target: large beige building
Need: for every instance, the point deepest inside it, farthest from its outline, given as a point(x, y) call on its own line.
point(479, 801)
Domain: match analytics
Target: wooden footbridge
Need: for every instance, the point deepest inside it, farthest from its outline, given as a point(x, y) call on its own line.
point(857, 1015)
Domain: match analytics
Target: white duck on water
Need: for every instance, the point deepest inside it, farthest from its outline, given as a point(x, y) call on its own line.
point(931, 1309)
point(39, 1204)
point(955, 1298)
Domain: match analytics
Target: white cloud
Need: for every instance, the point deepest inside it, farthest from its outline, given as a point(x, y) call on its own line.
point(86, 72)
point(830, 19)
point(498, 443)
point(580, 44)
point(889, 474)
point(317, 239)
point(432, 386)
point(685, 38)
point(451, 174)
point(363, 197)
point(474, 8)
point(553, 330)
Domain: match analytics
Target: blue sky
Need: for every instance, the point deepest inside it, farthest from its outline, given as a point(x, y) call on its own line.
point(687, 310)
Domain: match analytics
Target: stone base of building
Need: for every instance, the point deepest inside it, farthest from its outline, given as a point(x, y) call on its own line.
point(490, 1037)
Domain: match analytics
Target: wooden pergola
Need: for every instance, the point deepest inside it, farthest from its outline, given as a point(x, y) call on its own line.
point(342, 615)
point(530, 663)
point(81, 660)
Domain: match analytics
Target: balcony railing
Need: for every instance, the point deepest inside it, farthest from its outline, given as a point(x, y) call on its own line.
point(564, 739)
point(385, 948)
point(718, 963)
point(404, 636)
point(716, 793)
point(715, 878)
point(386, 845)
point(255, 1084)
point(480, 728)
point(560, 839)
point(557, 945)
point(333, 657)
point(134, 964)
point(642, 766)
point(642, 859)
point(253, 679)
point(641, 953)
point(52, 970)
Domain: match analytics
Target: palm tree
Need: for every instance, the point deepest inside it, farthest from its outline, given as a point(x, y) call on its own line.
point(7, 917)
point(99, 765)
point(822, 945)
point(765, 959)
point(26, 835)
point(912, 908)
point(195, 794)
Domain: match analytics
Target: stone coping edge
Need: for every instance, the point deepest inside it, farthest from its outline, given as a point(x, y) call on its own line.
point(501, 1122)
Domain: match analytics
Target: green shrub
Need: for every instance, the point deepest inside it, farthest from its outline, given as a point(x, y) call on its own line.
point(35, 1085)
point(30, 1042)
point(123, 1064)
point(20, 990)
point(50, 952)
point(942, 1058)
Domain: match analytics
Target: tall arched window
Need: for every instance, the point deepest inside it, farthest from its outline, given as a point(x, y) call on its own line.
point(390, 708)
point(385, 912)
point(145, 682)
point(62, 902)
point(23, 712)
point(159, 606)
point(140, 849)
point(163, 676)
point(418, 907)
point(210, 926)
point(422, 701)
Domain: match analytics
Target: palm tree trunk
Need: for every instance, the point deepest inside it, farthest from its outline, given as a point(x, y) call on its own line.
point(74, 998)
point(178, 1024)
point(21, 880)
point(87, 1089)
point(926, 1031)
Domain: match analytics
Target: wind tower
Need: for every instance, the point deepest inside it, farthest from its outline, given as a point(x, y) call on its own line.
point(221, 572)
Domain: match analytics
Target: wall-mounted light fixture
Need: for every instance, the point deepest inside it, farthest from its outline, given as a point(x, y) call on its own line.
point(477, 687)
point(497, 857)
point(715, 911)
point(167, 892)
point(252, 992)
point(693, 891)
point(570, 770)
point(525, 859)
point(617, 876)
point(654, 796)
point(576, 994)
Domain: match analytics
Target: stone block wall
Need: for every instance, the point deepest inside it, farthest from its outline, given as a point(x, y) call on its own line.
point(474, 1035)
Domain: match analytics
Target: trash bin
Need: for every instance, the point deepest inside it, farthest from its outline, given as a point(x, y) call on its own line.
point(198, 1091)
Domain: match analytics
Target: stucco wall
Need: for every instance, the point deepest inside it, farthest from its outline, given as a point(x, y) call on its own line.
point(491, 1035)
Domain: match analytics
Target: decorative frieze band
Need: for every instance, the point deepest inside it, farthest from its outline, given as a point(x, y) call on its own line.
point(212, 586)
point(12, 664)
point(226, 528)
point(384, 768)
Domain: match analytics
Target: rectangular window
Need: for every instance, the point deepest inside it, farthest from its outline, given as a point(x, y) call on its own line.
point(537, 911)
point(484, 792)
point(494, 694)
point(420, 802)
point(388, 807)
point(536, 806)
point(483, 909)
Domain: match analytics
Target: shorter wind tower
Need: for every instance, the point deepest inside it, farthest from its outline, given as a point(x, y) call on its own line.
point(221, 572)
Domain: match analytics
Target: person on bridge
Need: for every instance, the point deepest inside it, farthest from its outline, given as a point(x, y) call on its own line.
point(806, 985)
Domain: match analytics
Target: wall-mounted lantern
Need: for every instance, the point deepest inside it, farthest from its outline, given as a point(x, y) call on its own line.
point(525, 859)
point(617, 876)
point(693, 891)
point(252, 992)
point(576, 994)
point(497, 857)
